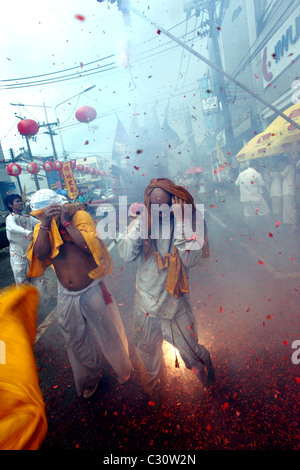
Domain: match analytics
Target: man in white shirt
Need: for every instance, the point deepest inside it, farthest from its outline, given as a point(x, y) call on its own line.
point(162, 304)
point(19, 229)
point(251, 185)
point(289, 194)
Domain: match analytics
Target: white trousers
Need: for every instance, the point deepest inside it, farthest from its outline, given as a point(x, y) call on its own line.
point(181, 332)
point(289, 210)
point(20, 266)
point(258, 207)
point(83, 316)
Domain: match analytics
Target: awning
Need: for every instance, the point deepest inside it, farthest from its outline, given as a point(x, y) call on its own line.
point(279, 138)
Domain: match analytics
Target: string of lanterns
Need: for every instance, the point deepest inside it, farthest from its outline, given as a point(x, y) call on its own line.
point(14, 169)
point(29, 128)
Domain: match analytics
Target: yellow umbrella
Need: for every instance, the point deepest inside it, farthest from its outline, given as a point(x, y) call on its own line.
point(279, 138)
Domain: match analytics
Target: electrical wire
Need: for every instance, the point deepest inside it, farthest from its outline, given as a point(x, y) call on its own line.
point(15, 85)
point(69, 77)
point(182, 55)
point(58, 71)
point(189, 56)
point(63, 78)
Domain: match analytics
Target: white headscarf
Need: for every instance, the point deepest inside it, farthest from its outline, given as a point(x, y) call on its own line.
point(44, 198)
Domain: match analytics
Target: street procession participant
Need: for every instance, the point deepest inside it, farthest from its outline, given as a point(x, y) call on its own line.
point(23, 420)
point(289, 211)
point(66, 237)
point(162, 306)
point(252, 185)
point(19, 230)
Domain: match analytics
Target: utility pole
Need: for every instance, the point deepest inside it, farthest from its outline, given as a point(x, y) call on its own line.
point(160, 29)
point(50, 132)
point(221, 92)
point(37, 184)
point(18, 178)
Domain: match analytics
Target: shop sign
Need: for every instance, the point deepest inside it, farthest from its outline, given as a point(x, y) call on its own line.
point(281, 51)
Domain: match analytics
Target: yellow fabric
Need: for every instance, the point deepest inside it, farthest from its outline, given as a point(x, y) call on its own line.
point(23, 423)
point(85, 224)
point(177, 283)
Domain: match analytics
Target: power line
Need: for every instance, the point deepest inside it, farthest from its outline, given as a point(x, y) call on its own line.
point(58, 71)
point(64, 78)
point(78, 74)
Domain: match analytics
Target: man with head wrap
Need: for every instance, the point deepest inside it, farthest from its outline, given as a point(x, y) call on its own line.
point(162, 308)
point(66, 238)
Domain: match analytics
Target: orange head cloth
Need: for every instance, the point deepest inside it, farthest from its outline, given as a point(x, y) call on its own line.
point(171, 188)
point(23, 423)
point(177, 283)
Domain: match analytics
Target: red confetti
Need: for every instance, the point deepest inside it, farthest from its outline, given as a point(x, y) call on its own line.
point(225, 406)
point(297, 380)
point(219, 169)
point(136, 167)
point(285, 343)
point(221, 309)
point(278, 223)
point(158, 31)
point(270, 234)
point(260, 262)
point(80, 17)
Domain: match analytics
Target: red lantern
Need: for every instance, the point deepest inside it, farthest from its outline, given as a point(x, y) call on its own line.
point(93, 171)
point(33, 168)
point(86, 169)
point(48, 166)
point(85, 114)
point(13, 169)
point(58, 166)
point(97, 172)
point(73, 164)
point(80, 167)
point(28, 127)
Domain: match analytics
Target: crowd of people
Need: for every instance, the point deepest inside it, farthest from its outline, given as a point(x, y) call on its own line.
point(270, 192)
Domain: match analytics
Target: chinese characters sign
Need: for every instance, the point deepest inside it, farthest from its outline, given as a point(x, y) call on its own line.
point(70, 182)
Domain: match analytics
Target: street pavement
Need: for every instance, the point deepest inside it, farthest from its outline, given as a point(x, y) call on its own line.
point(246, 303)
